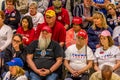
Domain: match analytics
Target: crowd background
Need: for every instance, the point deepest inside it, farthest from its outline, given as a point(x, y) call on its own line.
point(59, 39)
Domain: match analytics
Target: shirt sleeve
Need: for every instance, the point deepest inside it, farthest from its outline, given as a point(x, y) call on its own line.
point(117, 52)
point(62, 36)
point(67, 54)
point(41, 19)
point(95, 55)
point(58, 50)
point(90, 54)
point(31, 48)
point(9, 38)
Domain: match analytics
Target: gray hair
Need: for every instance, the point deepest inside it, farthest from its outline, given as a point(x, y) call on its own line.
point(107, 68)
point(33, 3)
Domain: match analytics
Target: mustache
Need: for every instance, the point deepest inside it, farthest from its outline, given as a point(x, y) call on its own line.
point(43, 43)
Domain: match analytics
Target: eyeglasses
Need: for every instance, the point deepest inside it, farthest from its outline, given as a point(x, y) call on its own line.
point(17, 41)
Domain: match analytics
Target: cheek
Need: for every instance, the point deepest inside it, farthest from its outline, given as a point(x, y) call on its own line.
point(77, 41)
point(13, 72)
point(47, 20)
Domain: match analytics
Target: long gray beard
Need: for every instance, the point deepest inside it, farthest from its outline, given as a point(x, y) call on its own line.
point(43, 43)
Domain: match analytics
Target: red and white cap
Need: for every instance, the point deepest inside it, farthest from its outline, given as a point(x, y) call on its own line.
point(77, 20)
point(47, 28)
point(83, 34)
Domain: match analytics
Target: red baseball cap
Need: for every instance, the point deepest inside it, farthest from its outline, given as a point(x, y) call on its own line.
point(47, 28)
point(77, 20)
point(82, 33)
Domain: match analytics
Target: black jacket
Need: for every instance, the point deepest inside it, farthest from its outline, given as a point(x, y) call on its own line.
point(9, 52)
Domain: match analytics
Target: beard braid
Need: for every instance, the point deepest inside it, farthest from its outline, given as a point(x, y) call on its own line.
point(43, 42)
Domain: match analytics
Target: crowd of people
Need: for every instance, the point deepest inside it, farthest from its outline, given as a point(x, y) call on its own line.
point(60, 40)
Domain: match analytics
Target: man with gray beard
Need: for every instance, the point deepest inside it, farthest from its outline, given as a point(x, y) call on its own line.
point(44, 56)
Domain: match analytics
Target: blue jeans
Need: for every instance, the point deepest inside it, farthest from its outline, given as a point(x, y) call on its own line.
point(84, 76)
point(52, 76)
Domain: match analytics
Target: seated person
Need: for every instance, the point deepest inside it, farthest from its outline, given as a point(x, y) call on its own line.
point(62, 14)
point(37, 17)
point(105, 74)
point(71, 33)
point(15, 70)
point(44, 56)
point(107, 53)
point(12, 15)
point(15, 49)
point(26, 30)
point(79, 58)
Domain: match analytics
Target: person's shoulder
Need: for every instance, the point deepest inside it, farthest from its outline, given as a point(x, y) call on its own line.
point(114, 47)
point(117, 28)
point(72, 46)
point(115, 76)
point(22, 77)
point(43, 24)
point(7, 76)
point(9, 47)
point(16, 11)
point(39, 14)
point(59, 25)
point(64, 10)
point(54, 42)
point(88, 48)
point(98, 49)
point(7, 27)
point(90, 30)
point(70, 31)
point(27, 14)
point(96, 76)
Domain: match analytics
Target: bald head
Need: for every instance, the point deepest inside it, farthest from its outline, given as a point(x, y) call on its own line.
point(106, 72)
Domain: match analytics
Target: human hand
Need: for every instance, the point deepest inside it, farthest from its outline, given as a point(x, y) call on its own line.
point(40, 72)
point(74, 73)
point(12, 19)
point(16, 47)
point(46, 71)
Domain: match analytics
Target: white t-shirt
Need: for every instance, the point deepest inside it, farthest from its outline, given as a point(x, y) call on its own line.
point(78, 57)
point(107, 57)
point(38, 18)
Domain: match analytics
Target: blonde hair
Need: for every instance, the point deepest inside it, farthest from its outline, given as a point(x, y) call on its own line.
point(19, 71)
point(111, 5)
point(102, 17)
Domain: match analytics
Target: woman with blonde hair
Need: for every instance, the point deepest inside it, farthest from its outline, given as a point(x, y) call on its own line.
point(15, 70)
point(99, 24)
point(113, 17)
